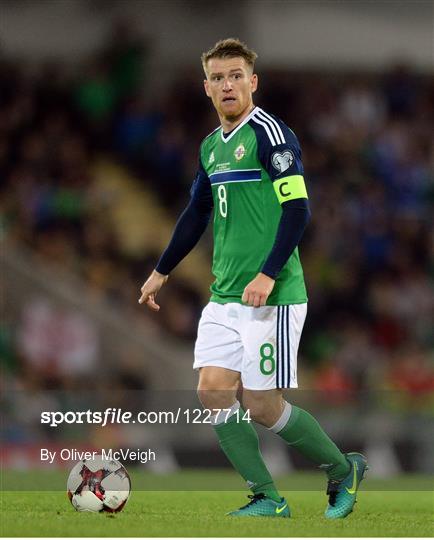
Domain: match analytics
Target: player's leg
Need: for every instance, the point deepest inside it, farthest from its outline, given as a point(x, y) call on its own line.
point(298, 428)
point(272, 362)
point(301, 431)
point(218, 356)
point(265, 502)
point(237, 437)
point(219, 344)
point(344, 471)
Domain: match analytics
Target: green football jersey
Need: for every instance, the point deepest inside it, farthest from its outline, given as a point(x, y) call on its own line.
point(252, 170)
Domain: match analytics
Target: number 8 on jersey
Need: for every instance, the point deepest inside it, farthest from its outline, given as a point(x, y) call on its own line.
point(223, 201)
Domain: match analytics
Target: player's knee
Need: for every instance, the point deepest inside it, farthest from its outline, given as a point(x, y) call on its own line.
point(216, 399)
point(213, 394)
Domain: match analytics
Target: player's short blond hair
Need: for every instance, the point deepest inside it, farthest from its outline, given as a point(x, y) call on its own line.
point(229, 48)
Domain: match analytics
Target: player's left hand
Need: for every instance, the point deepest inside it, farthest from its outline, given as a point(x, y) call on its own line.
point(258, 290)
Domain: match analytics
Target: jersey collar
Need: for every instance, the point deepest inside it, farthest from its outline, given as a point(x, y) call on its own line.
point(234, 131)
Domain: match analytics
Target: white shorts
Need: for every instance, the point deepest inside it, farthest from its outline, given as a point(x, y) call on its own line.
point(260, 343)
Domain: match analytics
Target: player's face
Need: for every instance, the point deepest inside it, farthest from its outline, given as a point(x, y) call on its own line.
point(230, 84)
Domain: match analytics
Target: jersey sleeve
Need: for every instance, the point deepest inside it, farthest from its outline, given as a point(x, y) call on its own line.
point(280, 154)
point(200, 192)
point(190, 225)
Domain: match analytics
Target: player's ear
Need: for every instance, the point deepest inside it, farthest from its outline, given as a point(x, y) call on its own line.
point(253, 82)
point(206, 86)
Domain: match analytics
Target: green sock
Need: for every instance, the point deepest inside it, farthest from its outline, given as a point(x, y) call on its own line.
point(239, 441)
point(303, 432)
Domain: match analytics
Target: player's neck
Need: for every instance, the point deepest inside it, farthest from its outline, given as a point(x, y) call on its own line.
point(228, 124)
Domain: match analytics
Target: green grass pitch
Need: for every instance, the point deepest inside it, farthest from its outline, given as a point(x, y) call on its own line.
point(403, 507)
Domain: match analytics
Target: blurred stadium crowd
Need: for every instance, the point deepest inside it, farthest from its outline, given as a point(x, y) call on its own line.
point(367, 253)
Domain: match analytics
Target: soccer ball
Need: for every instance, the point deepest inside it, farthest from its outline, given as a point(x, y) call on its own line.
point(98, 485)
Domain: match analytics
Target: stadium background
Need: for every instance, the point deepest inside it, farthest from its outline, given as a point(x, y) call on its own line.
point(101, 114)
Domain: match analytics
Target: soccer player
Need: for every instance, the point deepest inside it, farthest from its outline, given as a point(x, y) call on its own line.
point(250, 173)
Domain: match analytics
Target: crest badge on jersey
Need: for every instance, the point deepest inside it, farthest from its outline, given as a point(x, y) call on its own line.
point(282, 160)
point(211, 158)
point(240, 152)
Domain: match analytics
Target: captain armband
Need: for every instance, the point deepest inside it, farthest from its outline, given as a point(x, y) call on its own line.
point(290, 187)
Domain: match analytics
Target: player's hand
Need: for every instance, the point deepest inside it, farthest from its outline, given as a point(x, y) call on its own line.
point(258, 290)
point(150, 289)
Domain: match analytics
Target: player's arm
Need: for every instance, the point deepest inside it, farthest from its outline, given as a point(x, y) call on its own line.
point(283, 163)
point(188, 230)
point(295, 217)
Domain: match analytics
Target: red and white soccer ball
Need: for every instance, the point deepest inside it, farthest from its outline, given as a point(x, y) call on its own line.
point(98, 485)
